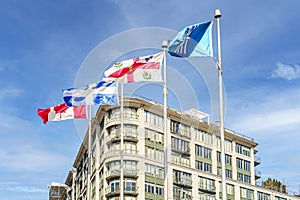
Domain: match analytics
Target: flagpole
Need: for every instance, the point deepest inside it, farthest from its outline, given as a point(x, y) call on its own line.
point(89, 154)
point(218, 15)
point(122, 144)
point(164, 46)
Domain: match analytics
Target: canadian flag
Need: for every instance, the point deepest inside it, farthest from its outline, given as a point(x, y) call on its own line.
point(62, 112)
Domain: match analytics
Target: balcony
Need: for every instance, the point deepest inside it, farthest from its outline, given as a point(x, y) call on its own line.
point(180, 197)
point(186, 151)
point(116, 137)
point(131, 173)
point(127, 116)
point(113, 191)
point(183, 182)
point(207, 188)
point(257, 174)
point(127, 152)
point(256, 161)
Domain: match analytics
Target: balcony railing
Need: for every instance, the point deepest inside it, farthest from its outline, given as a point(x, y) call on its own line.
point(257, 174)
point(127, 152)
point(117, 116)
point(132, 136)
point(116, 173)
point(111, 191)
point(206, 187)
point(256, 160)
point(181, 197)
point(186, 151)
point(183, 182)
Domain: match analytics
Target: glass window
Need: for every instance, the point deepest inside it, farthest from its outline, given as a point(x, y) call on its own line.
point(153, 119)
point(246, 165)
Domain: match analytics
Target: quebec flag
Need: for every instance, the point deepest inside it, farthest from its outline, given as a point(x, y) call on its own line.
point(193, 41)
point(103, 93)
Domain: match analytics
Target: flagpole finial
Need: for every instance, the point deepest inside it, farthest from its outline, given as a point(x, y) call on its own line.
point(218, 13)
point(164, 44)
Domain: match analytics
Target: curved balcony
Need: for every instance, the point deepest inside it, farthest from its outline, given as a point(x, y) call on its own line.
point(130, 173)
point(128, 116)
point(113, 191)
point(116, 137)
point(127, 152)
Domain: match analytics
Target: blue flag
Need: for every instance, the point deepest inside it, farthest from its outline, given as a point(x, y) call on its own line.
point(102, 93)
point(193, 41)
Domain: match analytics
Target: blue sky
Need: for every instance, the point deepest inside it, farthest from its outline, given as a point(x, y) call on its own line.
point(43, 44)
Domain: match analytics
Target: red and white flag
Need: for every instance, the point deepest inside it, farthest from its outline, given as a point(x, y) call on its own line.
point(62, 112)
point(146, 68)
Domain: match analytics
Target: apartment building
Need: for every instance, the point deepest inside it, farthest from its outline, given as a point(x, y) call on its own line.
point(194, 168)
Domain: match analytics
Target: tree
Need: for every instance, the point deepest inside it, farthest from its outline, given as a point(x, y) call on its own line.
point(274, 184)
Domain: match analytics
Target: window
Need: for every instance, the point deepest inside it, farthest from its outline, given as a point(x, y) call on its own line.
point(199, 150)
point(130, 148)
point(239, 163)
point(182, 177)
point(202, 166)
point(203, 152)
point(246, 193)
point(241, 149)
point(239, 177)
point(130, 185)
point(181, 194)
point(181, 159)
point(114, 185)
point(228, 145)
point(199, 165)
point(228, 173)
point(206, 183)
point(178, 128)
point(154, 154)
point(154, 136)
point(153, 119)
point(207, 153)
point(154, 171)
point(207, 167)
point(263, 196)
point(127, 112)
point(246, 165)
point(229, 189)
point(153, 188)
point(227, 158)
point(203, 136)
point(279, 198)
point(247, 179)
point(180, 145)
point(206, 196)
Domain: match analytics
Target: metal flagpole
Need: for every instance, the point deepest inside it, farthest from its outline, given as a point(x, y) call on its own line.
point(218, 16)
point(89, 155)
point(122, 144)
point(164, 46)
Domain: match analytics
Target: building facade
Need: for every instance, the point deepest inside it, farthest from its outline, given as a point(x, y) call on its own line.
point(194, 169)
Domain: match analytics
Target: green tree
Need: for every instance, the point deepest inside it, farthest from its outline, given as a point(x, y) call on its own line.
point(274, 184)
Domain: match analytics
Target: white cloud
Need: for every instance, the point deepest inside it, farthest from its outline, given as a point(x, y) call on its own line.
point(270, 120)
point(12, 92)
point(288, 72)
point(27, 157)
point(25, 189)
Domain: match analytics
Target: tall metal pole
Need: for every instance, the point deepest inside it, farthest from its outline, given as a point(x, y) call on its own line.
point(89, 154)
point(164, 46)
point(122, 144)
point(218, 16)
